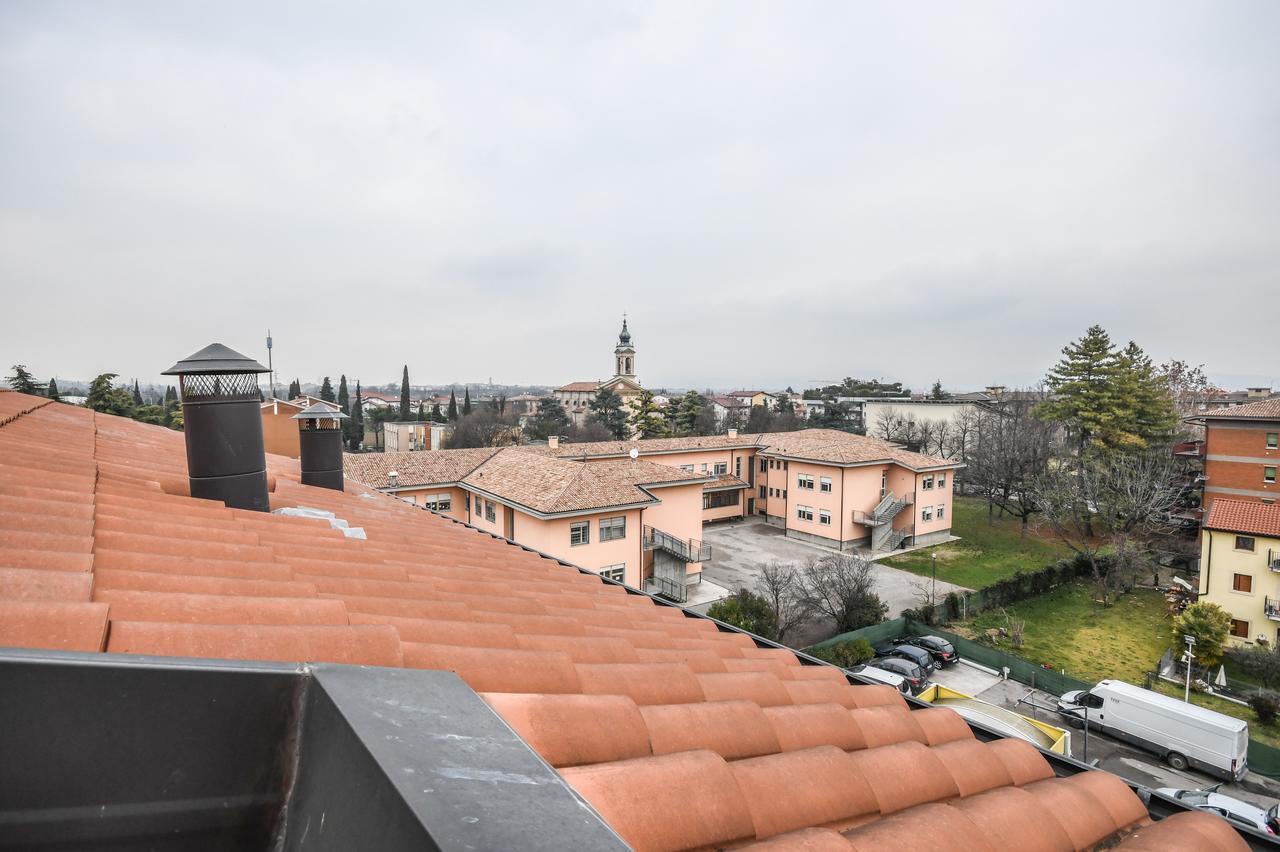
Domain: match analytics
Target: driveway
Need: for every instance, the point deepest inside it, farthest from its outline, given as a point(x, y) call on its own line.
point(739, 548)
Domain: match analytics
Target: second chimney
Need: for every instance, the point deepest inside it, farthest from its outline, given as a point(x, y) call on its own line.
point(320, 445)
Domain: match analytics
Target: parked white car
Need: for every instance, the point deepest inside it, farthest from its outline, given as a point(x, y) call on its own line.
point(1232, 810)
point(897, 681)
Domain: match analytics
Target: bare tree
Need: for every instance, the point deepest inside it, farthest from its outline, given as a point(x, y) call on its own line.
point(781, 584)
point(1117, 505)
point(842, 587)
point(1014, 452)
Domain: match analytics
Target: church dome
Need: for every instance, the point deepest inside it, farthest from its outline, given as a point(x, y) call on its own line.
point(625, 336)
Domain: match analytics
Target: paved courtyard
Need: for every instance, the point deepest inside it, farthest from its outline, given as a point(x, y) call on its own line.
point(739, 548)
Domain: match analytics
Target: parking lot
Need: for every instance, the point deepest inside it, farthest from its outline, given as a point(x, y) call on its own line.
point(739, 548)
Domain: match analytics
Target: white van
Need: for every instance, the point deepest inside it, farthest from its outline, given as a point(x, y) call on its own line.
point(1182, 734)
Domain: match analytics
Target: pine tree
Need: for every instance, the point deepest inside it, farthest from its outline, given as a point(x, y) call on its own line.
point(436, 415)
point(1148, 414)
point(937, 392)
point(404, 394)
point(646, 419)
point(22, 381)
point(453, 405)
point(687, 411)
point(326, 390)
point(137, 393)
point(107, 399)
point(1082, 390)
point(344, 401)
point(607, 410)
point(466, 402)
point(52, 391)
point(170, 397)
point(551, 419)
point(355, 426)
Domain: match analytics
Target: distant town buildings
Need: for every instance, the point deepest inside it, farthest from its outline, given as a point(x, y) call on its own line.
point(576, 397)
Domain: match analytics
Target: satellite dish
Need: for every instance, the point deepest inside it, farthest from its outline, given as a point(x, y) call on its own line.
point(635, 454)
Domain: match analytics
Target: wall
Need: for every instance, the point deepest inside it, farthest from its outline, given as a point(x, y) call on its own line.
point(938, 527)
point(679, 513)
point(279, 430)
point(737, 462)
point(861, 494)
point(1220, 561)
point(815, 500)
point(417, 496)
point(552, 537)
point(1235, 455)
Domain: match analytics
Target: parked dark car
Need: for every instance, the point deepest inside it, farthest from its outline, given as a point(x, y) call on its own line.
point(942, 651)
point(916, 677)
point(910, 653)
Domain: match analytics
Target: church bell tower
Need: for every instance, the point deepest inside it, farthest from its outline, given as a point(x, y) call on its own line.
point(624, 355)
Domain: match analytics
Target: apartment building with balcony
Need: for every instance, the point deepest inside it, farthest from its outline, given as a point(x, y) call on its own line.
point(1240, 566)
point(1241, 452)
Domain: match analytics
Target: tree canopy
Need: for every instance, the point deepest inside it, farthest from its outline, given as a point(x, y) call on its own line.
point(608, 410)
point(646, 419)
point(23, 382)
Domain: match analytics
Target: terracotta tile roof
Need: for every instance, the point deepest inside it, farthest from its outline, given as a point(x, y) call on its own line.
point(646, 446)
point(834, 446)
point(679, 733)
point(1263, 409)
point(579, 386)
point(428, 467)
point(724, 482)
point(1244, 516)
point(550, 485)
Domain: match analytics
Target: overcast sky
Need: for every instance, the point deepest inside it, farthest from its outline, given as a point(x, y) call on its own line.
point(775, 193)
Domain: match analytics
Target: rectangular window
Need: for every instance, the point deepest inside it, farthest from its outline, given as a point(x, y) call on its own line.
point(824, 484)
point(1242, 582)
point(784, 464)
point(942, 480)
point(612, 529)
point(763, 491)
point(704, 467)
point(942, 512)
point(489, 511)
point(824, 517)
point(579, 533)
point(467, 501)
point(719, 499)
point(1273, 440)
point(1269, 475)
point(763, 466)
point(804, 513)
point(687, 468)
point(1244, 542)
point(926, 483)
point(1239, 629)
point(614, 572)
point(804, 480)
point(438, 502)
point(737, 468)
point(926, 514)
point(784, 493)
point(721, 468)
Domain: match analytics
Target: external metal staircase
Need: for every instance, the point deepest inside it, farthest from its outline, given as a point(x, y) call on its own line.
point(880, 520)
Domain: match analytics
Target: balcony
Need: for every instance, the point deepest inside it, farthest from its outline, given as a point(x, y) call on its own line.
point(686, 550)
point(1273, 560)
point(1189, 449)
point(1271, 607)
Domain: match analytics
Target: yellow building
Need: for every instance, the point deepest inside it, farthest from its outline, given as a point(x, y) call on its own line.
point(1240, 567)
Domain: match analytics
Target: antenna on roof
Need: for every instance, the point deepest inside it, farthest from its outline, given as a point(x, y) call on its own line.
point(270, 367)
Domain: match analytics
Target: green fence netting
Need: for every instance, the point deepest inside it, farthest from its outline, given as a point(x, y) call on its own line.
point(1264, 759)
point(875, 634)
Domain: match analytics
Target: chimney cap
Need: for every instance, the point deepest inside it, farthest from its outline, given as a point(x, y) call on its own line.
point(215, 358)
point(321, 411)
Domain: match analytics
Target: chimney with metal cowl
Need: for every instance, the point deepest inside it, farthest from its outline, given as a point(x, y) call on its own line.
point(222, 420)
point(320, 445)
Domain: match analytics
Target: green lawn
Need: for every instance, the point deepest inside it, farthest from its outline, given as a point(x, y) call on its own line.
point(1068, 631)
point(984, 553)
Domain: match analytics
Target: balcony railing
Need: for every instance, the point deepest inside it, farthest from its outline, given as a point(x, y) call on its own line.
point(1273, 560)
point(1271, 607)
point(686, 550)
point(670, 589)
point(1189, 449)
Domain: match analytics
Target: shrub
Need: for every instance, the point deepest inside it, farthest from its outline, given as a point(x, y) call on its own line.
point(1209, 624)
point(847, 654)
point(747, 611)
point(1265, 705)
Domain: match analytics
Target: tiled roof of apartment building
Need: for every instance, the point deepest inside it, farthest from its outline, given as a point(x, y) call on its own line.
point(434, 467)
point(1263, 409)
point(836, 447)
point(593, 449)
point(553, 486)
point(678, 732)
point(725, 482)
point(1244, 516)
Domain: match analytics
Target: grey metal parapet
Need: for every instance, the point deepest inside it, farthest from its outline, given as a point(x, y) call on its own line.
point(122, 752)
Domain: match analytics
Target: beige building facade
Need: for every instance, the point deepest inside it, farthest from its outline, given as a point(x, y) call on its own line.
point(1240, 567)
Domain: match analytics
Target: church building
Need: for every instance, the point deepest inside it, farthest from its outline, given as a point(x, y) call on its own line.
point(576, 397)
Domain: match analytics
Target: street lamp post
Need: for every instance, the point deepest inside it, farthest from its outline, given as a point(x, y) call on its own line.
point(1188, 658)
point(933, 588)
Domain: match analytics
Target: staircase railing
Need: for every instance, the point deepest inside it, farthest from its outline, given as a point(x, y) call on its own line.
point(686, 550)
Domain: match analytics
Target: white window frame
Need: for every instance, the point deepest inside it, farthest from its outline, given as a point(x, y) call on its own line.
point(824, 517)
point(824, 484)
point(687, 468)
point(720, 469)
point(581, 530)
point(610, 527)
point(942, 480)
point(926, 482)
point(615, 572)
point(490, 512)
point(805, 481)
point(804, 513)
point(942, 512)
point(926, 514)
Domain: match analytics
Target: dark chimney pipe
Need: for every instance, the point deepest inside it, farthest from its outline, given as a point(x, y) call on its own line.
point(222, 417)
point(320, 445)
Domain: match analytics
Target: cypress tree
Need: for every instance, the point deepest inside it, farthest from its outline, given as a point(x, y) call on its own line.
point(436, 416)
point(295, 389)
point(355, 426)
point(422, 412)
point(453, 405)
point(326, 390)
point(466, 402)
point(344, 402)
point(53, 391)
point(404, 394)
point(137, 393)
